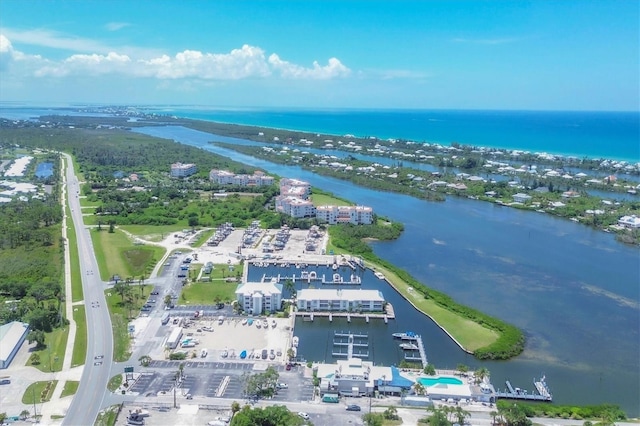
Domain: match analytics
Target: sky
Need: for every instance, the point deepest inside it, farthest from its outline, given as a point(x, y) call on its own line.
point(525, 55)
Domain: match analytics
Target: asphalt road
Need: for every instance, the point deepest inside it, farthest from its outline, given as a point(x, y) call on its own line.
point(93, 385)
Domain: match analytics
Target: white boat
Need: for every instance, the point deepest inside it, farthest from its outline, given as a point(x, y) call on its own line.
point(295, 341)
point(265, 324)
point(244, 321)
point(409, 335)
point(273, 323)
point(408, 346)
point(258, 324)
point(379, 275)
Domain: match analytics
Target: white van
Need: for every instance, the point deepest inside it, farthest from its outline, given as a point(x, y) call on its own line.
point(204, 353)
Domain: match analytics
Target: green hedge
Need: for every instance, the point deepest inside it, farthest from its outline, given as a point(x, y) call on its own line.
point(607, 412)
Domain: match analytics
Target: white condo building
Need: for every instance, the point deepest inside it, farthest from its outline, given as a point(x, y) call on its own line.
point(258, 297)
point(357, 215)
point(182, 170)
point(224, 177)
point(295, 187)
point(340, 300)
point(294, 206)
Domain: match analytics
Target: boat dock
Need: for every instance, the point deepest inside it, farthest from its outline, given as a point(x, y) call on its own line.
point(543, 392)
point(356, 344)
point(410, 354)
point(387, 315)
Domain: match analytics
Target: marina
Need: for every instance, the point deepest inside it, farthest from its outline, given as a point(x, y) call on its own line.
point(350, 345)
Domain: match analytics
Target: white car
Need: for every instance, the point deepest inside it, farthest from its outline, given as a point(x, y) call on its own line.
point(304, 415)
point(282, 386)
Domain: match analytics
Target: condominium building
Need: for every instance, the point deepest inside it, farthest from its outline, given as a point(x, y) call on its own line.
point(294, 206)
point(258, 297)
point(357, 215)
point(182, 170)
point(348, 300)
point(295, 188)
point(224, 177)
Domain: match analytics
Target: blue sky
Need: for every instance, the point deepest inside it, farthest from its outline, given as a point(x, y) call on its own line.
point(543, 55)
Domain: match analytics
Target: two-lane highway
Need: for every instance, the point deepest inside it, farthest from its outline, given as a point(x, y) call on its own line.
point(88, 400)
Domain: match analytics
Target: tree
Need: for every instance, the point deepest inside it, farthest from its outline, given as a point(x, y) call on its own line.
point(514, 415)
point(37, 336)
point(35, 358)
point(462, 369)
point(121, 288)
point(480, 374)
point(373, 419)
point(430, 370)
point(493, 415)
point(391, 413)
point(167, 300)
point(461, 415)
point(24, 414)
point(438, 417)
point(419, 388)
point(235, 407)
point(145, 360)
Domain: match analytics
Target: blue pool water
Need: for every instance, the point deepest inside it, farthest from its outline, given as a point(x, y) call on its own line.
point(431, 381)
point(44, 170)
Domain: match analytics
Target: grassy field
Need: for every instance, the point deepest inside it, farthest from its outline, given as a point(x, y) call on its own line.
point(108, 416)
point(206, 293)
point(80, 342)
point(120, 316)
point(84, 202)
point(469, 334)
point(52, 356)
point(76, 280)
point(152, 233)
point(203, 237)
point(70, 388)
point(323, 199)
point(40, 391)
point(116, 254)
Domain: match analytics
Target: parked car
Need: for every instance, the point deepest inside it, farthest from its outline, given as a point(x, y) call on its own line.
point(282, 386)
point(304, 415)
point(353, 407)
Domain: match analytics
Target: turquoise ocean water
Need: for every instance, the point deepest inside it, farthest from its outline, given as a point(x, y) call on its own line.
point(613, 135)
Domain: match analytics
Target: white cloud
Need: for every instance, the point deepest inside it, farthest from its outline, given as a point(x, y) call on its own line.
point(86, 64)
point(6, 52)
point(333, 69)
point(115, 26)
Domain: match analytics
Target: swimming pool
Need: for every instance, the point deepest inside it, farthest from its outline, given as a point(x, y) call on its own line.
point(445, 380)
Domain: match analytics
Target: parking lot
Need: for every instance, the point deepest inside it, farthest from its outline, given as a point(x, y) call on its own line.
point(217, 380)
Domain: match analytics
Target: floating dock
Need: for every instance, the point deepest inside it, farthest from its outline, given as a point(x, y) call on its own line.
point(356, 344)
point(386, 316)
point(410, 354)
point(542, 389)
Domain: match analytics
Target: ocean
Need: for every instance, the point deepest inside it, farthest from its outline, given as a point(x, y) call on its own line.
point(614, 135)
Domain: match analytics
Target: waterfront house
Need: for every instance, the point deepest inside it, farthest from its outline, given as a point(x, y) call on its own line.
point(521, 198)
point(629, 221)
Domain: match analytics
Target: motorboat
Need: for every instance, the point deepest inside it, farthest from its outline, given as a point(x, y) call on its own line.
point(295, 341)
point(273, 323)
point(258, 324)
point(243, 354)
point(244, 321)
point(409, 335)
point(250, 321)
point(265, 323)
point(409, 346)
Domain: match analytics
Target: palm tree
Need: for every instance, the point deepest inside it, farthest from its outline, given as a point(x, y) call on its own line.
point(493, 415)
point(419, 388)
point(235, 407)
point(480, 374)
point(460, 415)
point(24, 414)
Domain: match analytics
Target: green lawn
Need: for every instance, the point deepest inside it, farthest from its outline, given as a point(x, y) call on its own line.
point(108, 416)
point(120, 316)
point(469, 334)
point(70, 388)
point(84, 202)
point(52, 356)
point(80, 343)
point(206, 293)
point(323, 199)
point(40, 391)
point(116, 254)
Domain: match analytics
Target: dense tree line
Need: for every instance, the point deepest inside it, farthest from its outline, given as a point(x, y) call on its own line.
point(275, 415)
